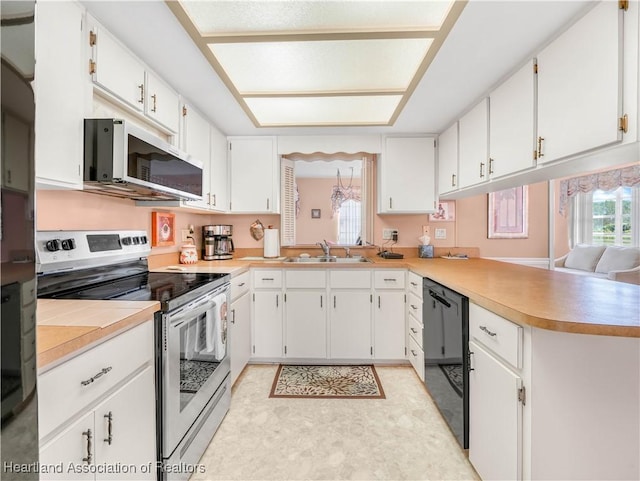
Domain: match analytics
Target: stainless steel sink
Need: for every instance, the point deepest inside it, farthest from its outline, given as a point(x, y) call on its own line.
point(323, 259)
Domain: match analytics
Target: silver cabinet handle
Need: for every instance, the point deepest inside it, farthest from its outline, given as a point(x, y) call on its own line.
point(453, 180)
point(241, 284)
point(89, 436)
point(481, 170)
point(214, 200)
point(233, 316)
point(109, 418)
point(414, 307)
point(414, 284)
point(414, 331)
point(484, 328)
point(267, 204)
point(390, 280)
point(390, 203)
point(104, 371)
point(378, 302)
point(141, 99)
point(277, 300)
point(334, 302)
point(268, 279)
point(320, 302)
point(155, 98)
point(415, 354)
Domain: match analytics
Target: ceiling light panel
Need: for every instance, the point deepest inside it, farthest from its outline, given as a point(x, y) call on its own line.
point(354, 110)
point(326, 66)
point(222, 17)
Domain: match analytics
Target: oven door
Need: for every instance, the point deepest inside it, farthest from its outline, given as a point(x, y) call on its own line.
point(195, 362)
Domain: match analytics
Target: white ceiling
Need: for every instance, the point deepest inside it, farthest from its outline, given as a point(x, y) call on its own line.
point(490, 40)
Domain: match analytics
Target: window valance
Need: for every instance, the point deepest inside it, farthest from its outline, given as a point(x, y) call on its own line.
point(609, 180)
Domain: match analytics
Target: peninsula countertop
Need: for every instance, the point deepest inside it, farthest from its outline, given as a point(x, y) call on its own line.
point(541, 298)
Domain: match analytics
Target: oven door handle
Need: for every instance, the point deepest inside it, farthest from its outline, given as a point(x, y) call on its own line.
point(179, 318)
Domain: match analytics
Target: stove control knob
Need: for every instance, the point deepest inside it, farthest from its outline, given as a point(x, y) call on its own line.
point(53, 245)
point(143, 239)
point(68, 244)
point(136, 240)
point(126, 241)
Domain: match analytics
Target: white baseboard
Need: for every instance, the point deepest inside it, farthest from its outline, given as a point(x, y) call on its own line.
point(540, 262)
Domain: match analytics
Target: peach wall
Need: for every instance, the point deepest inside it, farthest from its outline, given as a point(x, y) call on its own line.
point(75, 210)
point(471, 226)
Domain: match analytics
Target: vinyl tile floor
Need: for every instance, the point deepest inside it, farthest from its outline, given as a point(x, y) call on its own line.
point(402, 437)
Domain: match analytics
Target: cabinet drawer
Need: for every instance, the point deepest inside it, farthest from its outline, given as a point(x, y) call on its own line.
point(416, 357)
point(415, 284)
point(502, 336)
point(388, 279)
point(61, 391)
point(344, 279)
point(414, 306)
point(28, 294)
point(28, 318)
point(29, 344)
point(265, 279)
point(239, 285)
point(415, 331)
point(298, 278)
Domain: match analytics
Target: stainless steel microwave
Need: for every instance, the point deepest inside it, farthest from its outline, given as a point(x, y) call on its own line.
point(123, 160)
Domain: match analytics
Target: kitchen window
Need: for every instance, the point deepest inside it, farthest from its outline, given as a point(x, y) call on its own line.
point(607, 217)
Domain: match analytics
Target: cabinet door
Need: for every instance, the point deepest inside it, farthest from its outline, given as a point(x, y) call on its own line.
point(71, 450)
point(511, 124)
point(389, 325)
point(126, 428)
point(579, 82)
point(59, 88)
point(407, 175)
point(267, 324)
point(350, 324)
point(240, 335)
point(219, 180)
point(474, 147)
point(16, 153)
point(196, 142)
point(162, 104)
point(253, 174)
point(118, 71)
point(306, 324)
point(448, 160)
point(495, 417)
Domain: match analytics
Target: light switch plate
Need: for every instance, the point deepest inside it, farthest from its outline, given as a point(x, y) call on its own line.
point(441, 233)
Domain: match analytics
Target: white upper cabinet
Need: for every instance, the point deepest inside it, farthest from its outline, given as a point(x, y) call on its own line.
point(511, 124)
point(195, 141)
point(117, 70)
point(474, 145)
point(406, 175)
point(448, 160)
point(59, 88)
point(219, 179)
point(254, 175)
point(122, 75)
point(162, 104)
point(579, 86)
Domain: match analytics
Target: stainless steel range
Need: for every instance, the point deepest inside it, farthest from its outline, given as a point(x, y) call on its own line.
point(192, 357)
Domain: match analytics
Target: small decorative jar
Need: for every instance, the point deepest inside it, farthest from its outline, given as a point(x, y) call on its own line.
point(188, 254)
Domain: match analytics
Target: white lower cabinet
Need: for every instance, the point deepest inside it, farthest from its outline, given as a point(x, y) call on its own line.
point(267, 324)
point(350, 324)
point(306, 323)
point(495, 417)
point(240, 334)
point(114, 430)
point(389, 325)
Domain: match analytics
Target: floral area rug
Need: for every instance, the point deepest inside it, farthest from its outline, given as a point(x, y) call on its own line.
point(356, 382)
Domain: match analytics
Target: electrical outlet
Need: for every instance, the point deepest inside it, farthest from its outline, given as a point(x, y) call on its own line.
point(426, 230)
point(441, 233)
point(387, 234)
point(186, 233)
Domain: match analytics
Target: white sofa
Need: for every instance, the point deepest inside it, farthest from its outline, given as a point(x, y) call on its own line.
point(617, 263)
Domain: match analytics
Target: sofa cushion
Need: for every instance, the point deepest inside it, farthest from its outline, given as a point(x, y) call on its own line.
point(584, 257)
point(618, 258)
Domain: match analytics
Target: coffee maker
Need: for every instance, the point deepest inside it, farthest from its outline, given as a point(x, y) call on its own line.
point(217, 243)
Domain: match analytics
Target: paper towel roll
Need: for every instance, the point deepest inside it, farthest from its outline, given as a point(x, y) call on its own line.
point(271, 243)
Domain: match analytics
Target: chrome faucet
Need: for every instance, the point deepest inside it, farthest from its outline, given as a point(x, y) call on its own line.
point(325, 248)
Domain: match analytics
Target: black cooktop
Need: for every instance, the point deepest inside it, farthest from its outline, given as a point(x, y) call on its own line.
point(108, 283)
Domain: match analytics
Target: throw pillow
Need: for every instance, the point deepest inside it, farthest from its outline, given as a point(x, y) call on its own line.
point(584, 257)
point(618, 258)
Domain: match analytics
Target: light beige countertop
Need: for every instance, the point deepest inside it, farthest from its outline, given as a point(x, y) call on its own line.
point(556, 301)
point(65, 327)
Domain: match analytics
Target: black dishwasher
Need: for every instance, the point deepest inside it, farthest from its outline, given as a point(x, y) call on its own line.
point(445, 343)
